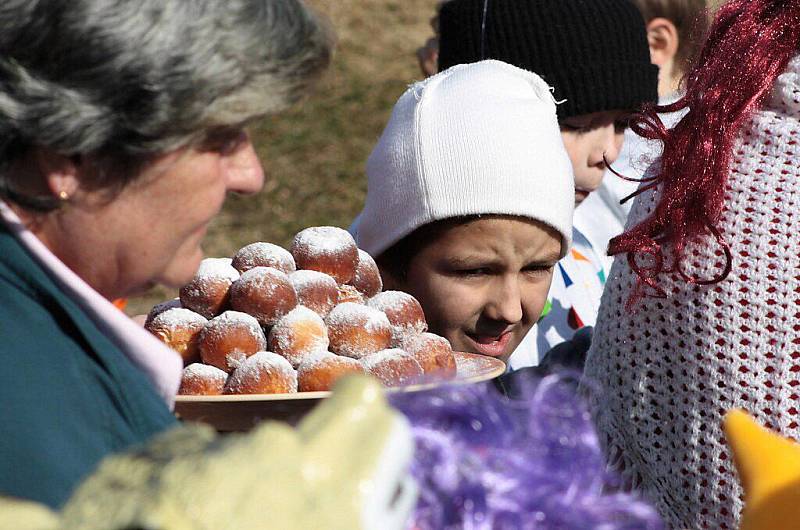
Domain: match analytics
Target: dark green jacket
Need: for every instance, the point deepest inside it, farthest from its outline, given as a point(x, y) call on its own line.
point(68, 396)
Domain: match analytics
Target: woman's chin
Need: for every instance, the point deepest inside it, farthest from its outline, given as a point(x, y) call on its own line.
point(181, 271)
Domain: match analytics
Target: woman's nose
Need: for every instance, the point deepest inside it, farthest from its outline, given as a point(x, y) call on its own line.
point(243, 171)
point(505, 302)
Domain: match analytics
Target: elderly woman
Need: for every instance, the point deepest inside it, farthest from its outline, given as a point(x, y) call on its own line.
point(122, 128)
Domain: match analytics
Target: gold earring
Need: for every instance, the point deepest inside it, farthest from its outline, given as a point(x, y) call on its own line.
point(63, 195)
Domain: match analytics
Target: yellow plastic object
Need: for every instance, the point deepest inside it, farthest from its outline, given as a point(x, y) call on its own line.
point(23, 515)
point(345, 467)
point(769, 468)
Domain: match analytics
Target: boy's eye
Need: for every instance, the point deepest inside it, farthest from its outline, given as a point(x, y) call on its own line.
point(579, 129)
point(471, 272)
point(539, 268)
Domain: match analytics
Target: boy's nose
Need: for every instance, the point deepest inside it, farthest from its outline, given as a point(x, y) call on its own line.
point(243, 171)
point(505, 302)
point(607, 148)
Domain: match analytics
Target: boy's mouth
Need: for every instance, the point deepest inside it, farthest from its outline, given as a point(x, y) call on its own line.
point(491, 345)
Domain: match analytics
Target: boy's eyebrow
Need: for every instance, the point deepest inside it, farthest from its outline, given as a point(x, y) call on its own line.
point(550, 257)
point(468, 260)
point(471, 260)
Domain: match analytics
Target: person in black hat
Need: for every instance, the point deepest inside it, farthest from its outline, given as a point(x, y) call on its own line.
point(595, 56)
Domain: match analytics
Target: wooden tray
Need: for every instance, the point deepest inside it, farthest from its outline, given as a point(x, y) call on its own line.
point(242, 412)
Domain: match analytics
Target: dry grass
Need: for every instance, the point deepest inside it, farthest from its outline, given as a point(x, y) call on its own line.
point(314, 154)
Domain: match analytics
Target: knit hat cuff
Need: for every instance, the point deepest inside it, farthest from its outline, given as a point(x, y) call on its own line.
point(615, 86)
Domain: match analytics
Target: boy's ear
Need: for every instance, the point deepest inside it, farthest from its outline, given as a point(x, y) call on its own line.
point(662, 37)
point(390, 282)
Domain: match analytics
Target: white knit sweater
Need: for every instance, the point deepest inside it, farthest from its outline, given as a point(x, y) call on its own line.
point(666, 373)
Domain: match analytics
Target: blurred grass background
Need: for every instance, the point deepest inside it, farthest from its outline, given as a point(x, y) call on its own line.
point(314, 154)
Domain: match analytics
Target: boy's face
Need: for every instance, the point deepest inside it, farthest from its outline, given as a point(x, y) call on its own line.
point(483, 284)
point(587, 138)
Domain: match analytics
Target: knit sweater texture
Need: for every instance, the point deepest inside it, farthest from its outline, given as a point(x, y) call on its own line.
point(665, 373)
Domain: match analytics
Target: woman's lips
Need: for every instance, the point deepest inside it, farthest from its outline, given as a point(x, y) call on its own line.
point(493, 346)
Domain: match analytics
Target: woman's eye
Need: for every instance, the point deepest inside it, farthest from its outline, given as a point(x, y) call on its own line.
point(621, 126)
point(224, 141)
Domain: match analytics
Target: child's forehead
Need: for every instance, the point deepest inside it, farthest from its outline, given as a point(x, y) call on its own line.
point(492, 230)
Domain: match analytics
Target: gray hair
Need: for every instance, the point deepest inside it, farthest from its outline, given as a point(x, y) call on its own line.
point(129, 79)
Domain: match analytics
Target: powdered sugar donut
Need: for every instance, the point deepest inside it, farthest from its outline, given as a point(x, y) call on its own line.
point(367, 278)
point(262, 373)
point(264, 292)
point(326, 249)
point(356, 330)
point(320, 371)
point(298, 334)
point(434, 354)
point(160, 308)
point(202, 380)
point(315, 290)
point(207, 293)
point(263, 255)
point(179, 328)
point(227, 340)
point(393, 367)
point(403, 311)
point(348, 293)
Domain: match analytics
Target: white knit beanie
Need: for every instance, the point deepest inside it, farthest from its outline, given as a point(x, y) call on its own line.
point(477, 138)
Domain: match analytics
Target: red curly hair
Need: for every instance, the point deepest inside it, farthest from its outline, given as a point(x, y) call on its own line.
point(749, 44)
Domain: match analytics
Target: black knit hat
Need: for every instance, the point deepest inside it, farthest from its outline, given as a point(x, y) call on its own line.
point(594, 53)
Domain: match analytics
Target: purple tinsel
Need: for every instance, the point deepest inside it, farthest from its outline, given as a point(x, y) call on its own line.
point(486, 462)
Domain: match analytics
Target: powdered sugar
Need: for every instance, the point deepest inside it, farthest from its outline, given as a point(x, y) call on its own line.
point(208, 290)
point(323, 240)
point(298, 334)
point(316, 290)
point(403, 311)
point(417, 341)
point(264, 255)
point(266, 280)
point(353, 314)
point(160, 308)
point(348, 293)
point(308, 279)
point(217, 268)
point(368, 278)
point(319, 359)
point(393, 367)
point(388, 299)
point(224, 323)
point(259, 366)
point(176, 317)
point(197, 372)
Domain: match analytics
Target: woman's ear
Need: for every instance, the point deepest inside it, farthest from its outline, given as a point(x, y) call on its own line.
point(60, 173)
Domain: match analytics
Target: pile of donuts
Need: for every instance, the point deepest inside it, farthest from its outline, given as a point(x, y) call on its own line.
point(272, 320)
